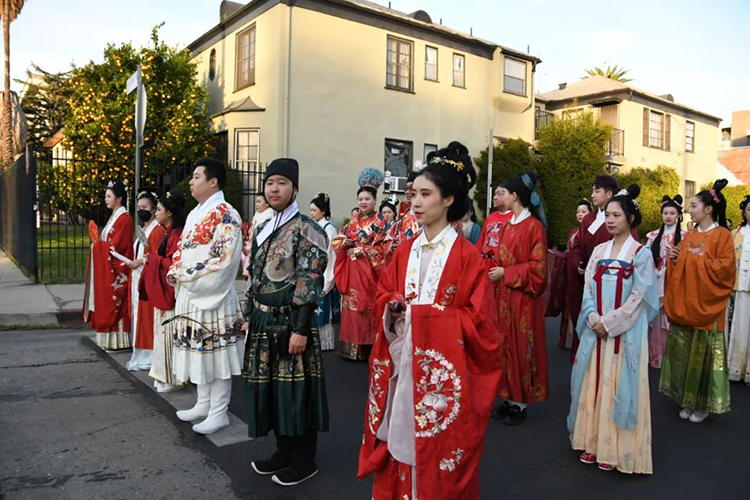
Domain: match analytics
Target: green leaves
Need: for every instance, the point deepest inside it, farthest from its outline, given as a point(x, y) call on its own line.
point(612, 72)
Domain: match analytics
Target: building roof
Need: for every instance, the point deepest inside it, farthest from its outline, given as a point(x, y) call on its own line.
point(246, 104)
point(737, 161)
point(55, 139)
point(601, 88)
point(417, 20)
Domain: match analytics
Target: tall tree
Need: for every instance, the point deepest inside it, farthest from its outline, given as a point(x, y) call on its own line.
point(46, 103)
point(612, 72)
point(10, 11)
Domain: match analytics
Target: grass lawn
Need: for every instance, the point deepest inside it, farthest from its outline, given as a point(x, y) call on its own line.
point(62, 253)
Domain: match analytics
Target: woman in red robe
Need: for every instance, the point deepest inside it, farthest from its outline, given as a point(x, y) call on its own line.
point(520, 277)
point(170, 213)
point(435, 367)
point(488, 240)
point(360, 258)
point(105, 302)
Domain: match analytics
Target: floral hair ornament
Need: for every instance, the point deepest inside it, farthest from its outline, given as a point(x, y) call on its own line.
point(169, 194)
point(110, 184)
point(455, 164)
point(625, 193)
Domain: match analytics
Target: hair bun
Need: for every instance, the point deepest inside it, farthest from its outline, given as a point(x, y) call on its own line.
point(177, 197)
point(666, 198)
point(634, 190)
point(458, 148)
point(678, 199)
point(720, 184)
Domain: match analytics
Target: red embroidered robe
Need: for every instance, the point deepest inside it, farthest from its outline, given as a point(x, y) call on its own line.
point(357, 278)
point(488, 239)
point(111, 278)
point(522, 252)
point(144, 338)
point(154, 285)
point(455, 337)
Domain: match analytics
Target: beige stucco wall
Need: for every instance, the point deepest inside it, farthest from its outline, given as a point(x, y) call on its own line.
point(339, 112)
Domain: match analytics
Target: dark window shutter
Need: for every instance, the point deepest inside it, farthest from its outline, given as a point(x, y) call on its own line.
point(645, 126)
point(667, 132)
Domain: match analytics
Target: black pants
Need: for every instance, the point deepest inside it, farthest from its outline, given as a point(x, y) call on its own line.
point(297, 451)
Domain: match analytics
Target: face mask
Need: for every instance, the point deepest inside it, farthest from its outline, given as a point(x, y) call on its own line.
point(144, 215)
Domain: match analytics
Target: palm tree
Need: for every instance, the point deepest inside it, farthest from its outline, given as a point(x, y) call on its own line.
point(9, 9)
point(612, 72)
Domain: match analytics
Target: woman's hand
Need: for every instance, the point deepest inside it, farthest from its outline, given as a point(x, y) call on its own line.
point(497, 273)
point(397, 310)
point(674, 252)
point(599, 330)
point(352, 253)
point(135, 264)
point(171, 279)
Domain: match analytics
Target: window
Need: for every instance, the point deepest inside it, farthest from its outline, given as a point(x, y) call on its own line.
point(245, 59)
point(459, 70)
point(515, 76)
point(690, 137)
point(246, 149)
point(656, 130)
point(212, 65)
point(398, 157)
point(689, 190)
point(431, 63)
point(399, 68)
point(428, 148)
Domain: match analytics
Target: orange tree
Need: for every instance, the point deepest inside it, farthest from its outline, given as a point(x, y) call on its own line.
point(100, 128)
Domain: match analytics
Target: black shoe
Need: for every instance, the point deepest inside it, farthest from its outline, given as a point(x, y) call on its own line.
point(501, 410)
point(267, 467)
point(516, 415)
point(294, 475)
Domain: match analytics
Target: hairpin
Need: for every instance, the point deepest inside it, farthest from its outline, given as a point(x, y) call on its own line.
point(456, 164)
point(169, 194)
point(111, 184)
point(713, 195)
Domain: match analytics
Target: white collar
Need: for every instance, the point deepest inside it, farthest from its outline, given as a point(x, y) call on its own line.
point(600, 216)
point(709, 228)
point(202, 209)
point(623, 250)
point(745, 230)
point(525, 214)
point(278, 220)
point(669, 228)
point(441, 238)
point(323, 222)
point(111, 222)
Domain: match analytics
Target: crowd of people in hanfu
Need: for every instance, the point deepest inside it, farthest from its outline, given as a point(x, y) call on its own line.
point(449, 315)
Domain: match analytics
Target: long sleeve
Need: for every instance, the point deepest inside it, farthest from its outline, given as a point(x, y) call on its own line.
point(588, 302)
point(311, 261)
point(644, 296)
point(328, 276)
point(530, 276)
point(575, 254)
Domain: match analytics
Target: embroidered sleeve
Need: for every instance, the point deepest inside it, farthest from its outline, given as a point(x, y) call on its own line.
point(311, 262)
point(530, 276)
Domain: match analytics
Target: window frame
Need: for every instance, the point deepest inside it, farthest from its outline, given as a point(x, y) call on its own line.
point(437, 63)
point(505, 75)
point(409, 164)
point(662, 138)
point(251, 33)
point(397, 75)
point(453, 70)
point(689, 136)
point(689, 193)
point(236, 147)
point(425, 152)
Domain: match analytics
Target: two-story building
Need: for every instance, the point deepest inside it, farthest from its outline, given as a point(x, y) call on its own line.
point(649, 130)
point(734, 148)
point(342, 85)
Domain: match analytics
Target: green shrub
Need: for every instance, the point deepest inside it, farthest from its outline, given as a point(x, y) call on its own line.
point(509, 160)
point(734, 195)
point(654, 183)
point(232, 192)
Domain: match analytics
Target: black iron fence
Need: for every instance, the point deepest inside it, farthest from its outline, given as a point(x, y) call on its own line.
point(17, 213)
point(70, 193)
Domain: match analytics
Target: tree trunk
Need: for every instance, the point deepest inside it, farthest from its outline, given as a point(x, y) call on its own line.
point(7, 132)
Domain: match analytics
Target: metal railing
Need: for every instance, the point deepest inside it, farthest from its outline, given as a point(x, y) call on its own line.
point(541, 118)
point(616, 143)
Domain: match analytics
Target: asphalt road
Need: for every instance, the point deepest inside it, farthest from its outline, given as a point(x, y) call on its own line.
point(74, 425)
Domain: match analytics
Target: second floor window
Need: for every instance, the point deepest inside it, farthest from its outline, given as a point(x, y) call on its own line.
point(399, 64)
point(689, 190)
point(690, 137)
point(245, 59)
point(459, 70)
point(431, 63)
point(514, 80)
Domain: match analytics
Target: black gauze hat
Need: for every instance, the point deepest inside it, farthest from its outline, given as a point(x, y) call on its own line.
point(287, 167)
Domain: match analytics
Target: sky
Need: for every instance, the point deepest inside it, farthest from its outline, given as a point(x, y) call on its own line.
point(698, 51)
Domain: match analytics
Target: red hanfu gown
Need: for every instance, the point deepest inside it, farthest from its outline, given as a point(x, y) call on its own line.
point(357, 278)
point(488, 239)
point(456, 367)
point(583, 245)
point(111, 315)
point(144, 338)
point(522, 252)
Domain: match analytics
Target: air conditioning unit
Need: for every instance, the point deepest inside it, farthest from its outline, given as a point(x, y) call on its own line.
point(398, 184)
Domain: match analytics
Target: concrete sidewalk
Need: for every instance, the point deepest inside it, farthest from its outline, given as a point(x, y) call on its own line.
point(26, 305)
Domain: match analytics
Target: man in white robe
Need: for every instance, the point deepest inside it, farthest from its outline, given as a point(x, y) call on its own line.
point(208, 344)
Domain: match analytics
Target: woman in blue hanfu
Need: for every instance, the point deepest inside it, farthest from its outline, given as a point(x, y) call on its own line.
point(610, 410)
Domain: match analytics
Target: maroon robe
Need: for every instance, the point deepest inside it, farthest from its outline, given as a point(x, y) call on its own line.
point(154, 286)
point(522, 252)
point(457, 333)
point(578, 256)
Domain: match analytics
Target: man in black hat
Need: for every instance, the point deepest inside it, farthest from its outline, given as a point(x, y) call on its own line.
point(285, 384)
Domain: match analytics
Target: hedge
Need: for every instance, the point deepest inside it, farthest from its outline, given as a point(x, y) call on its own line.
point(734, 195)
point(512, 159)
point(654, 183)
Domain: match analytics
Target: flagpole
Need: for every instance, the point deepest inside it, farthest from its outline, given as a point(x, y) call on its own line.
point(490, 155)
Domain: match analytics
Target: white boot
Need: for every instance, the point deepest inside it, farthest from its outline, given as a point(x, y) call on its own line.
point(202, 404)
point(221, 392)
